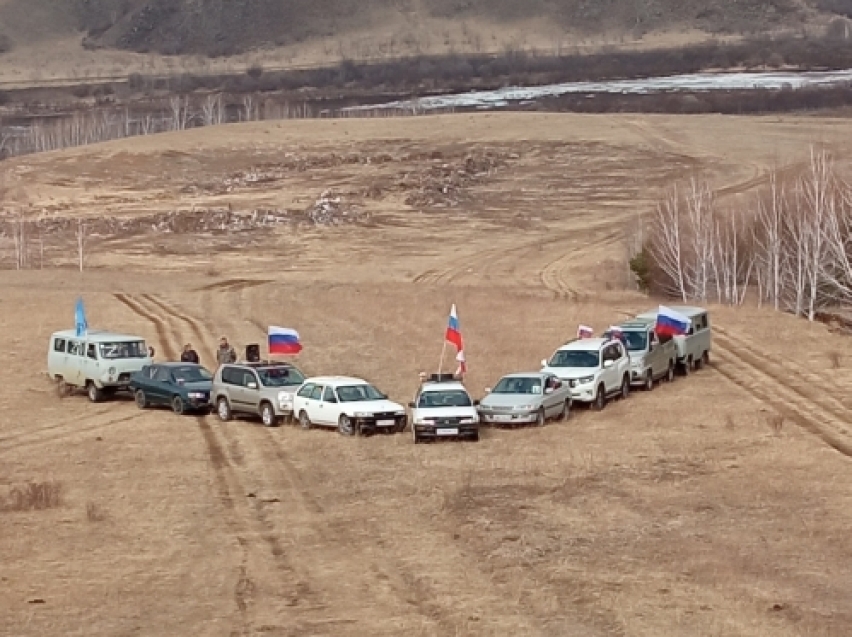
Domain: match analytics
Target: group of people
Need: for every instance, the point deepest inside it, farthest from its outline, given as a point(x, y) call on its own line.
point(224, 354)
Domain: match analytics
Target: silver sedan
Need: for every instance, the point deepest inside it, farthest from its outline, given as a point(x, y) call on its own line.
point(525, 398)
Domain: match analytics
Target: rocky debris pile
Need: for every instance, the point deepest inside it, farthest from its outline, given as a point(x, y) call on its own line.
point(331, 210)
point(443, 184)
point(175, 222)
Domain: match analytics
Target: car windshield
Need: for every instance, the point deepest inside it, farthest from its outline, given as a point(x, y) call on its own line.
point(127, 349)
point(280, 376)
point(635, 341)
point(515, 385)
point(575, 358)
point(191, 374)
point(358, 393)
point(445, 398)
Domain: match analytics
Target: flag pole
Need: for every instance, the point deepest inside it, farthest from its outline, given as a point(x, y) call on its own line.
point(443, 352)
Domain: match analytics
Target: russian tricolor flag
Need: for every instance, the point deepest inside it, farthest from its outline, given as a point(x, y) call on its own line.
point(671, 323)
point(453, 335)
point(283, 340)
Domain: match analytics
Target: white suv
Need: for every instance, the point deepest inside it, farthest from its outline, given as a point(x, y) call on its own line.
point(594, 368)
point(352, 405)
point(443, 408)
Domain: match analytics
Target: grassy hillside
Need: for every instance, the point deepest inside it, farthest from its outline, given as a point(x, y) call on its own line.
point(228, 27)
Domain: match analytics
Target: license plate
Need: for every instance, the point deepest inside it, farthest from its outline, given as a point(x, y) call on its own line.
point(447, 432)
point(501, 417)
point(385, 423)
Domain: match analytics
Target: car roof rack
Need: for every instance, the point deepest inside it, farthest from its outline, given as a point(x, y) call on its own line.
point(264, 363)
point(442, 378)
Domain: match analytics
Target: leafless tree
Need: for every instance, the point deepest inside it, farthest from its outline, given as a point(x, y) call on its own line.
point(249, 108)
point(81, 243)
point(179, 107)
point(700, 212)
point(734, 261)
point(666, 243)
point(768, 240)
point(22, 249)
point(212, 110)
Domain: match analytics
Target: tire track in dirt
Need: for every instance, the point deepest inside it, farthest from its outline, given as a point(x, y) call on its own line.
point(241, 520)
point(60, 433)
point(160, 327)
point(457, 268)
point(553, 276)
point(748, 372)
point(173, 312)
point(377, 570)
point(235, 284)
point(809, 378)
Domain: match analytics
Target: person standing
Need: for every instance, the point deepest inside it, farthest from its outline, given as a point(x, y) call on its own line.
point(225, 354)
point(189, 355)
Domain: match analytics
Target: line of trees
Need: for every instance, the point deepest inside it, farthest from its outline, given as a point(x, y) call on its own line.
point(790, 247)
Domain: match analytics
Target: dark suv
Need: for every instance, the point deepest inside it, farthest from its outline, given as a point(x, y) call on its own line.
point(262, 389)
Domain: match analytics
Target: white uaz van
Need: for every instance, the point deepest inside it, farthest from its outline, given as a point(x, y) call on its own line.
point(99, 361)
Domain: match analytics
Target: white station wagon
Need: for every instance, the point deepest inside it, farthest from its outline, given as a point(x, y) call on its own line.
point(99, 361)
point(352, 405)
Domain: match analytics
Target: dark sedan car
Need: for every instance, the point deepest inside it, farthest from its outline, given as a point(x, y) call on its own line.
point(183, 386)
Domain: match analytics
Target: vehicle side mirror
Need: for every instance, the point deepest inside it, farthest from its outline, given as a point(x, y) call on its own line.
point(411, 405)
point(607, 364)
point(548, 390)
point(651, 347)
point(476, 403)
point(487, 390)
point(544, 362)
point(331, 400)
point(252, 385)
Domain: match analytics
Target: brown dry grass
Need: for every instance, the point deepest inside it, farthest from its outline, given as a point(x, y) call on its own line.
point(684, 511)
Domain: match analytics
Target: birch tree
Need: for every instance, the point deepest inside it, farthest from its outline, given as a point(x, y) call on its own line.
point(667, 243)
point(768, 240)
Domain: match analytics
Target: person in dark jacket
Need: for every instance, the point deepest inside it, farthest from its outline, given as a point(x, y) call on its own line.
point(225, 354)
point(189, 355)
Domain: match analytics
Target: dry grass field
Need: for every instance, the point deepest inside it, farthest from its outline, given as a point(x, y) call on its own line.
point(716, 505)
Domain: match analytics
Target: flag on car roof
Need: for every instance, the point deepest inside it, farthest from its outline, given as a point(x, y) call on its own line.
point(615, 333)
point(283, 340)
point(453, 335)
point(584, 331)
point(671, 323)
point(81, 326)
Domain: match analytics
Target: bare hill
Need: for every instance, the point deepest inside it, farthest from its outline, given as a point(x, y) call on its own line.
point(216, 27)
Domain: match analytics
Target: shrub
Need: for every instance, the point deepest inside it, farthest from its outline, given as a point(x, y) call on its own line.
point(640, 266)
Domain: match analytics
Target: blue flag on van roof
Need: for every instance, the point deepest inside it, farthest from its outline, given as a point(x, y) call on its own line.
point(80, 323)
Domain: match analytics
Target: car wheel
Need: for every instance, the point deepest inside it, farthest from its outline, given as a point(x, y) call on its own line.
point(699, 362)
point(401, 426)
point(178, 406)
point(600, 399)
point(670, 372)
point(649, 381)
point(345, 426)
point(540, 418)
point(475, 437)
point(566, 411)
point(686, 366)
point(267, 415)
point(706, 359)
point(304, 421)
point(625, 387)
point(96, 394)
point(223, 409)
point(141, 399)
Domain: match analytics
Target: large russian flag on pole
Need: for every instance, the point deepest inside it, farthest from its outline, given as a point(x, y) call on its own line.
point(671, 323)
point(453, 335)
point(283, 340)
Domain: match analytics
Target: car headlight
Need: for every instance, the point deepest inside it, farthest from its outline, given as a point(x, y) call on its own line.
point(362, 414)
point(585, 379)
point(467, 421)
point(284, 398)
point(523, 407)
point(196, 394)
point(399, 413)
point(424, 421)
point(111, 371)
